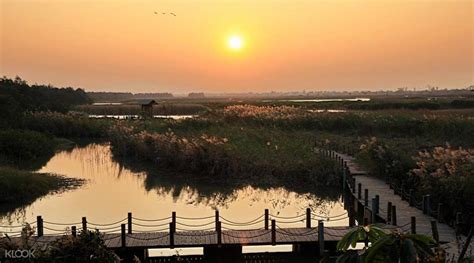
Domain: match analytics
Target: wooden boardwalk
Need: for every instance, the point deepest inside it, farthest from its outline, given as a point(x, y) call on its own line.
point(210, 238)
point(405, 212)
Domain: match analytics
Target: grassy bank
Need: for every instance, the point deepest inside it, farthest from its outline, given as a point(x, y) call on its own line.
point(23, 187)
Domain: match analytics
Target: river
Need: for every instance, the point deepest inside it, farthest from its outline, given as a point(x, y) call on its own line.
point(112, 190)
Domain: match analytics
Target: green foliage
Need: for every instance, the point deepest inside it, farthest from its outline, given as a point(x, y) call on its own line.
point(18, 147)
point(226, 153)
point(16, 97)
point(89, 246)
point(65, 125)
point(21, 187)
point(385, 161)
point(447, 174)
point(370, 233)
point(391, 247)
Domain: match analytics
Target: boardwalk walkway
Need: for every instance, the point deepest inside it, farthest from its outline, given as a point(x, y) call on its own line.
point(209, 238)
point(380, 189)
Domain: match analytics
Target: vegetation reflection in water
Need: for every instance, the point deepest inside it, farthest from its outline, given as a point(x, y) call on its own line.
point(114, 188)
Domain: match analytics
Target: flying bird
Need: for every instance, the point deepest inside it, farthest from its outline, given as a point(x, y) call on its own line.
point(173, 14)
point(163, 13)
point(156, 13)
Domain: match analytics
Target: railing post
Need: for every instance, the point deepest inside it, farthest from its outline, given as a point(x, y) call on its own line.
point(425, 204)
point(434, 230)
point(219, 233)
point(413, 225)
point(173, 220)
point(373, 214)
point(39, 226)
point(266, 219)
point(458, 222)
point(273, 232)
point(394, 215)
point(359, 191)
point(439, 212)
point(366, 197)
point(428, 207)
point(412, 198)
point(377, 204)
point(129, 222)
point(308, 217)
point(353, 185)
point(171, 234)
point(84, 224)
point(123, 235)
point(217, 218)
point(73, 231)
point(321, 237)
point(389, 212)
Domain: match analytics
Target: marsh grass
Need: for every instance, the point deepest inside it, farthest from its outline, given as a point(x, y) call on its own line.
point(23, 187)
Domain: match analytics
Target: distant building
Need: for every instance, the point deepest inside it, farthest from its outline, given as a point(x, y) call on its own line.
point(196, 95)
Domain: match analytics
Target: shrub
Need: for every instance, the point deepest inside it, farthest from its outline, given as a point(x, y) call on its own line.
point(19, 146)
point(65, 125)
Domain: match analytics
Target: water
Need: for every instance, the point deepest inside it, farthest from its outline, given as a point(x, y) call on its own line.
point(129, 117)
point(111, 191)
point(320, 100)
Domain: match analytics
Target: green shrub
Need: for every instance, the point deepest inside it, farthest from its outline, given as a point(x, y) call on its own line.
point(18, 147)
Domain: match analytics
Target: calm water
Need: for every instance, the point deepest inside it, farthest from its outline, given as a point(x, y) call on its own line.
point(127, 117)
point(111, 191)
point(321, 100)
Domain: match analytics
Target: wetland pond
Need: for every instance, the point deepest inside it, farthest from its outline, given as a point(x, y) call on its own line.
point(112, 189)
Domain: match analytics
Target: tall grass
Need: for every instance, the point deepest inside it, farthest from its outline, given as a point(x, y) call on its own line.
point(65, 125)
point(22, 187)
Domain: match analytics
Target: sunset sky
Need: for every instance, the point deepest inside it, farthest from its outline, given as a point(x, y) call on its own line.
point(238, 46)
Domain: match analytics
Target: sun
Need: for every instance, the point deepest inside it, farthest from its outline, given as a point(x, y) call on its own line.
point(235, 42)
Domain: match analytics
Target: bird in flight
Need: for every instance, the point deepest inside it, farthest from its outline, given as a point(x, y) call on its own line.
point(173, 14)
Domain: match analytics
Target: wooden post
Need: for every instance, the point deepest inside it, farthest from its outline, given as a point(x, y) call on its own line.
point(217, 219)
point(366, 223)
point(428, 207)
point(434, 230)
point(273, 232)
point(377, 204)
point(353, 186)
point(321, 237)
point(173, 220)
point(219, 232)
point(266, 219)
point(466, 245)
point(366, 197)
point(129, 222)
point(413, 225)
point(171, 234)
point(389, 212)
point(359, 191)
point(412, 198)
point(73, 231)
point(458, 222)
point(123, 236)
point(39, 226)
point(373, 214)
point(308, 217)
point(394, 215)
point(351, 213)
point(84, 224)
point(425, 204)
point(439, 212)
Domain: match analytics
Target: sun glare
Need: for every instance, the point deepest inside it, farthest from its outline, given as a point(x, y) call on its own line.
point(235, 42)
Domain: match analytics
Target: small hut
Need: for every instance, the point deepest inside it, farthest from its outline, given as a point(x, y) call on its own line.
point(146, 107)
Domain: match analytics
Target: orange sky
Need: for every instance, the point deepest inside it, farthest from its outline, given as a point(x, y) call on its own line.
point(121, 45)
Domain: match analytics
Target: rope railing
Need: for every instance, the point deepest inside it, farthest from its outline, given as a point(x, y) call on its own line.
point(240, 223)
point(151, 220)
point(144, 225)
point(106, 224)
point(195, 225)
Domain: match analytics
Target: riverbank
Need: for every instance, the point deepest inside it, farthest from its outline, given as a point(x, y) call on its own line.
point(23, 187)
